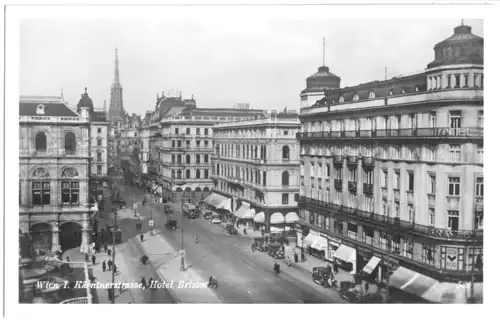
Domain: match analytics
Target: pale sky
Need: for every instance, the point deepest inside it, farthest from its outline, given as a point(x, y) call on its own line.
point(219, 61)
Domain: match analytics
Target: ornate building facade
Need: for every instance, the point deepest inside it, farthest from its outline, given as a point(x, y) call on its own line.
point(256, 168)
point(54, 169)
point(392, 171)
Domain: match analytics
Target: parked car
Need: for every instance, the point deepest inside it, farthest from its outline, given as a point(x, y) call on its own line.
point(215, 220)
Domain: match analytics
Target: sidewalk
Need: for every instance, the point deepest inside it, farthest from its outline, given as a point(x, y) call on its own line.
point(167, 262)
point(311, 262)
point(105, 277)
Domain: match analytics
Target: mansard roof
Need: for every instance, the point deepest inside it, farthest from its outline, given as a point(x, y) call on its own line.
point(54, 109)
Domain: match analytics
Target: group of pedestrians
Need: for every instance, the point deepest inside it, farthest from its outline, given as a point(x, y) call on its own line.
point(148, 284)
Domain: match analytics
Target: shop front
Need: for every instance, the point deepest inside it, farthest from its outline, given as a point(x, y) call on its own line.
point(333, 245)
point(345, 257)
point(315, 244)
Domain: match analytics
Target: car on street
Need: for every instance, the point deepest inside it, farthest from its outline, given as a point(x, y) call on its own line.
point(215, 220)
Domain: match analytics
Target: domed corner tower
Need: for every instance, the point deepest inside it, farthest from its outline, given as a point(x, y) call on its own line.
point(85, 105)
point(316, 86)
point(458, 61)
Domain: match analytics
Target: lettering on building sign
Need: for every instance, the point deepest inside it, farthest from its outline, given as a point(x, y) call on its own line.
point(451, 258)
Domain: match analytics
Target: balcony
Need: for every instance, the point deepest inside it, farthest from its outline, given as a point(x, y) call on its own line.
point(368, 162)
point(352, 161)
point(421, 133)
point(338, 160)
point(367, 189)
point(431, 200)
point(409, 197)
point(351, 186)
point(338, 184)
point(395, 223)
point(478, 205)
point(397, 196)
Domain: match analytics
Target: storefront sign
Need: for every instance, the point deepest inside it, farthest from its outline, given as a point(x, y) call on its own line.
point(451, 258)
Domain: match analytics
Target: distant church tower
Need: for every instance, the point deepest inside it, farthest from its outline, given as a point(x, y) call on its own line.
point(116, 103)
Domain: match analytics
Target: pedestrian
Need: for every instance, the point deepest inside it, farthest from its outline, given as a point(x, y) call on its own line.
point(105, 248)
point(335, 268)
point(115, 269)
point(296, 257)
point(142, 237)
point(367, 287)
point(104, 266)
point(86, 257)
point(110, 294)
point(143, 283)
point(302, 257)
point(110, 264)
point(150, 283)
point(93, 260)
point(109, 252)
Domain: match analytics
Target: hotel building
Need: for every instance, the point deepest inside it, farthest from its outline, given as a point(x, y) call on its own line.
point(392, 171)
point(255, 169)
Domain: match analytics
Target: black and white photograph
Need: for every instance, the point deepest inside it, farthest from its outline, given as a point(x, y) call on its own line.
point(246, 154)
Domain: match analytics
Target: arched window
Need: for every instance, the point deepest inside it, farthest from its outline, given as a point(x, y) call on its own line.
point(188, 173)
point(179, 159)
point(206, 173)
point(173, 173)
point(69, 143)
point(41, 141)
point(341, 99)
point(179, 173)
point(173, 159)
point(371, 95)
point(188, 159)
point(198, 159)
point(206, 159)
point(286, 153)
point(285, 178)
point(197, 173)
point(355, 97)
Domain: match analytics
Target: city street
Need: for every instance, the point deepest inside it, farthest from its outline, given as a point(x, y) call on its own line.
point(243, 276)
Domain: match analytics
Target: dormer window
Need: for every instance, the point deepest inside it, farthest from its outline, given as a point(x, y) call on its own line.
point(371, 95)
point(40, 109)
point(341, 99)
point(355, 97)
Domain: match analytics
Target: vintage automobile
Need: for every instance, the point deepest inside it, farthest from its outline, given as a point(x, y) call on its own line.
point(215, 220)
point(323, 276)
point(230, 229)
point(207, 215)
point(275, 251)
point(171, 225)
point(259, 244)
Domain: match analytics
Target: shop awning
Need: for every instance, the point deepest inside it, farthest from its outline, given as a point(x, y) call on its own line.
point(309, 239)
point(291, 217)
point(250, 214)
point(260, 218)
point(225, 205)
point(447, 293)
point(277, 218)
point(371, 265)
point(345, 253)
point(320, 243)
point(411, 282)
point(242, 211)
point(216, 200)
point(209, 199)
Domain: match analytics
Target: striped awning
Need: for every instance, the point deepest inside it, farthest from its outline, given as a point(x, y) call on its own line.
point(277, 218)
point(291, 217)
point(411, 282)
point(225, 204)
point(260, 218)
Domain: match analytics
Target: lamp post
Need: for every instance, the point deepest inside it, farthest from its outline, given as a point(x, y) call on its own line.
point(114, 266)
point(182, 237)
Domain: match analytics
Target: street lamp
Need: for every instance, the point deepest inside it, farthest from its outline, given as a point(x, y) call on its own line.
point(182, 237)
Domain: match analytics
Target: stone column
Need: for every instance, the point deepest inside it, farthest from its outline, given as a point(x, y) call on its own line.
point(55, 237)
point(85, 234)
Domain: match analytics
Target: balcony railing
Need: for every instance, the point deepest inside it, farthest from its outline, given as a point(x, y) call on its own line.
point(352, 161)
point(337, 159)
point(432, 200)
point(367, 189)
point(352, 187)
point(368, 162)
point(395, 222)
point(431, 133)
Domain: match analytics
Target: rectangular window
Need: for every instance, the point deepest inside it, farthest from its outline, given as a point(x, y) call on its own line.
point(455, 119)
point(396, 180)
point(197, 131)
point(383, 240)
point(284, 198)
point(99, 130)
point(453, 219)
point(99, 142)
point(206, 144)
point(41, 193)
point(480, 119)
point(480, 153)
point(452, 258)
point(466, 80)
point(432, 184)
point(428, 254)
point(407, 244)
point(432, 217)
point(296, 197)
point(179, 143)
point(432, 153)
point(353, 175)
point(206, 131)
point(432, 120)
point(410, 182)
point(479, 186)
point(411, 213)
point(448, 77)
point(454, 186)
point(352, 230)
point(384, 179)
point(395, 241)
point(188, 131)
point(397, 209)
point(173, 143)
point(455, 153)
point(176, 131)
point(198, 144)
point(338, 173)
point(385, 207)
point(475, 259)
point(99, 170)
point(478, 220)
point(328, 171)
point(368, 235)
point(311, 218)
point(457, 80)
